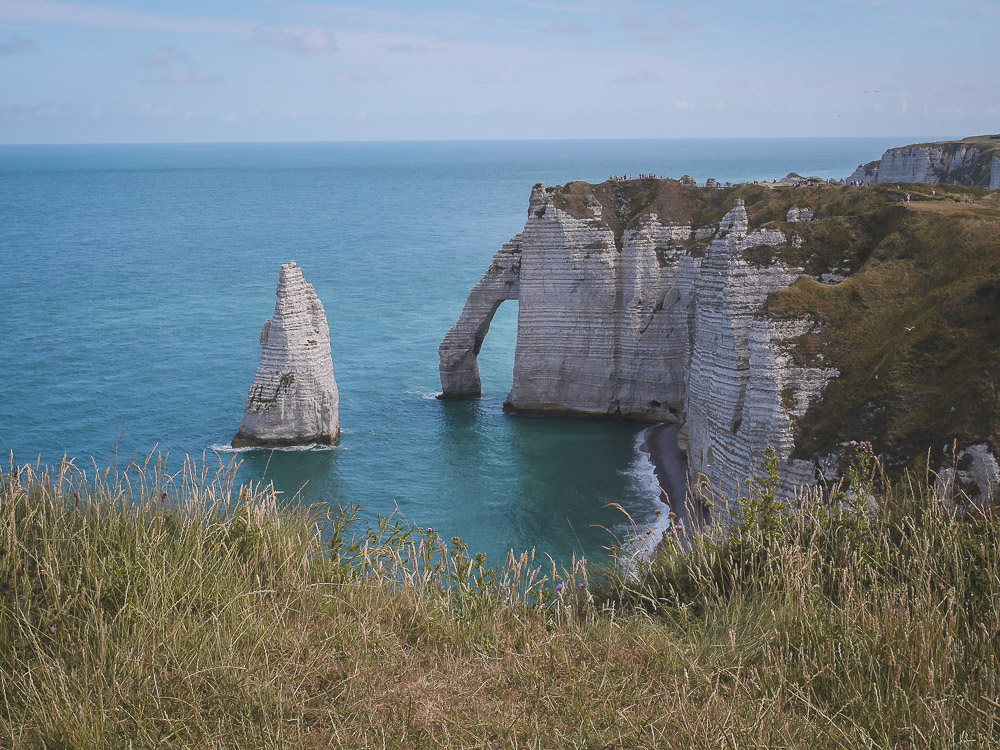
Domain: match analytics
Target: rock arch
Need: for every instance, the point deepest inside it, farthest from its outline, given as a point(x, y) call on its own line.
point(459, 350)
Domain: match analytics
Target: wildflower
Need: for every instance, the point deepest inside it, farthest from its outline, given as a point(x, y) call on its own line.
point(581, 585)
point(53, 628)
point(559, 587)
point(430, 529)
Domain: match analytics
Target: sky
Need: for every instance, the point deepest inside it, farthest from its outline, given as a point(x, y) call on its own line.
point(117, 71)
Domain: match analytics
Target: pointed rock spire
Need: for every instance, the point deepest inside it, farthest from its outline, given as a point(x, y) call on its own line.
point(294, 398)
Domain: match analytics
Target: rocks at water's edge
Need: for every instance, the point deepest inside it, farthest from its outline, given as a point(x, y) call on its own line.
point(294, 398)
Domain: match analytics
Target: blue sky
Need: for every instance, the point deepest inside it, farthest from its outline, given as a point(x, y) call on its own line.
point(280, 70)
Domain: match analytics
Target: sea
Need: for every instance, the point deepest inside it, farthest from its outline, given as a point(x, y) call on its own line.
point(134, 281)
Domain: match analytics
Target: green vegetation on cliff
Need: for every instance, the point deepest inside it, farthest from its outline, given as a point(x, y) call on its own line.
point(905, 297)
point(142, 610)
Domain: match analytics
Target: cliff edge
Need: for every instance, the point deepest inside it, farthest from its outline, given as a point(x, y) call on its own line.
point(797, 318)
point(973, 161)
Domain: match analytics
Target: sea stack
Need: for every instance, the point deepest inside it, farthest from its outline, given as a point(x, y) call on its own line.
point(294, 398)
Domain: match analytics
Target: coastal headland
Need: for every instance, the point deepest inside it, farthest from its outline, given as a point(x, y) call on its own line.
point(796, 315)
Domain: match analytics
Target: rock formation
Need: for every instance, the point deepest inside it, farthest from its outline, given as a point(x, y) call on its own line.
point(972, 161)
point(639, 299)
point(294, 398)
point(657, 322)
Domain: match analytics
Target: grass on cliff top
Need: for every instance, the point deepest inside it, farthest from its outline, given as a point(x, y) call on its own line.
point(140, 610)
point(914, 330)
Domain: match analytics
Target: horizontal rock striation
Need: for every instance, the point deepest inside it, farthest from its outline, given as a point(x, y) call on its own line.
point(459, 368)
point(294, 398)
point(646, 317)
point(973, 161)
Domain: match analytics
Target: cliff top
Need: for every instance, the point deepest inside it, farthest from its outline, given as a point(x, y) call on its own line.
point(913, 327)
point(984, 142)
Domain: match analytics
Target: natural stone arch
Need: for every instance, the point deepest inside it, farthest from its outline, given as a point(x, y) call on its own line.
point(459, 351)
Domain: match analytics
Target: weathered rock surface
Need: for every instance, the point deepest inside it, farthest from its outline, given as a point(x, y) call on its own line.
point(652, 322)
point(294, 398)
point(972, 161)
point(977, 476)
point(797, 320)
point(459, 367)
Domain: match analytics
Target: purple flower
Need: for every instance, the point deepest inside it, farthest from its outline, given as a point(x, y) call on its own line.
point(53, 628)
point(581, 585)
point(559, 587)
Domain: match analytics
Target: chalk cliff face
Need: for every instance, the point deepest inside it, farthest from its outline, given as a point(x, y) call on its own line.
point(294, 398)
point(798, 318)
point(972, 161)
point(650, 319)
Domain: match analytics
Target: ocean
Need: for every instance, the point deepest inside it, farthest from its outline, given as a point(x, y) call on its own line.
point(134, 281)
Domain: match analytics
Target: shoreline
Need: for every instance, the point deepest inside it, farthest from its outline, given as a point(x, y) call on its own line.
point(659, 442)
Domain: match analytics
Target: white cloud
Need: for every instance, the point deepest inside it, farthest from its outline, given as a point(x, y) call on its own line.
point(638, 76)
point(353, 79)
point(313, 41)
point(51, 12)
point(183, 71)
point(682, 105)
point(648, 31)
point(163, 56)
point(18, 46)
point(557, 27)
point(194, 76)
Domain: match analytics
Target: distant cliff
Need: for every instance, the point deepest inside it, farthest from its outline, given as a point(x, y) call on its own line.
point(973, 161)
point(756, 316)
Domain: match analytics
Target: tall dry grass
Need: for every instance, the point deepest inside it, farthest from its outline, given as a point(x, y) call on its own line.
point(144, 609)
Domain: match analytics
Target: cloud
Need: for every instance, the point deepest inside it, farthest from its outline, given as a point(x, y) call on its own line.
point(638, 76)
point(682, 105)
point(314, 41)
point(194, 76)
point(506, 76)
point(51, 12)
point(353, 79)
point(679, 19)
point(648, 31)
point(163, 56)
point(557, 27)
point(18, 46)
point(179, 69)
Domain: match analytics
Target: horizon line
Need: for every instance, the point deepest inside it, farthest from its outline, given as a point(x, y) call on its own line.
point(925, 138)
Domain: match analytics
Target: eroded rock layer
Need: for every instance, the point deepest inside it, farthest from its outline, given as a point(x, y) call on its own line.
point(795, 318)
point(654, 321)
point(294, 398)
point(972, 161)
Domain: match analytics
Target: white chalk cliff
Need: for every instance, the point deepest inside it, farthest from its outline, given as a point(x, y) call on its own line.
point(972, 161)
point(294, 398)
point(659, 321)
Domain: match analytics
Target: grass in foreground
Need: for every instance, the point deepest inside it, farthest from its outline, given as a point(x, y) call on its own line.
point(208, 616)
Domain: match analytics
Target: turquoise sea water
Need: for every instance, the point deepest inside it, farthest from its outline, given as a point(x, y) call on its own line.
point(134, 281)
